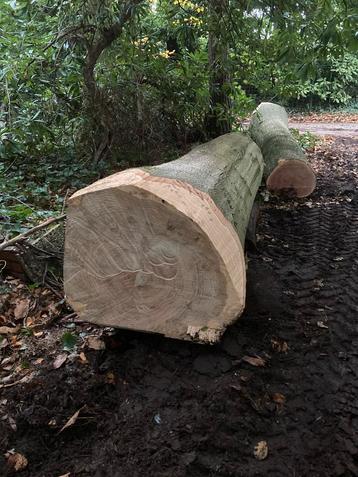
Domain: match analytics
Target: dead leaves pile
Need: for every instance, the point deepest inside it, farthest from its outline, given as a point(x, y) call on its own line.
point(325, 118)
point(25, 308)
point(24, 315)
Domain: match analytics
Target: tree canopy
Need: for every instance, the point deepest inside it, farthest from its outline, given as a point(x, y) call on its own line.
point(92, 80)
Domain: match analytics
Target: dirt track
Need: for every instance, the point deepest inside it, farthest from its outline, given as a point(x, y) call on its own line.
point(327, 129)
point(173, 409)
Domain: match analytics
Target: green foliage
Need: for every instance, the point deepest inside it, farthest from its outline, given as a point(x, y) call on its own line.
point(152, 84)
point(69, 341)
point(306, 139)
point(26, 331)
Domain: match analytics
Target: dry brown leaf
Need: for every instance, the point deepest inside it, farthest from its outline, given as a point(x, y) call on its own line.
point(93, 342)
point(83, 358)
point(38, 334)
point(21, 308)
point(6, 330)
point(16, 461)
point(254, 360)
point(59, 360)
point(110, 378)
point(3, 343)
point(279, 346)
point(71, 420)
point(29, 321)
point(279, 398)
point(261, 450)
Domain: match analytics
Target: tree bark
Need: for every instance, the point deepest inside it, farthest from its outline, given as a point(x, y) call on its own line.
point(160, 249)
point(98, 105)
point(218, 120)
point(287, 170)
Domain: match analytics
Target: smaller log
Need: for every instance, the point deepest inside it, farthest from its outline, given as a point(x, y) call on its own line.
point(287, 171)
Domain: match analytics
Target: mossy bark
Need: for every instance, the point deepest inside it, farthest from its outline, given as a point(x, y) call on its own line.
point(229, 169)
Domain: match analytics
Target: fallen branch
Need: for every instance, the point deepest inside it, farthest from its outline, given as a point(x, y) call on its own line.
point(23, 236)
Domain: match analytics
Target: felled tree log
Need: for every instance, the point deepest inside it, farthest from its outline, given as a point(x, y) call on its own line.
point(286, 170)
point(160, 249)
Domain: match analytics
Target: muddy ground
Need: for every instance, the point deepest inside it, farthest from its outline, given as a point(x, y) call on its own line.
point(151, 406)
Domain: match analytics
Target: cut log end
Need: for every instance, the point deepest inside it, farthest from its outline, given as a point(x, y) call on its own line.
point(293, 178)
point(162, 259)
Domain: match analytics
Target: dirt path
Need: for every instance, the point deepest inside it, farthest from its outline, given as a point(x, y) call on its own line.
point(153, 407)
point(334, 129)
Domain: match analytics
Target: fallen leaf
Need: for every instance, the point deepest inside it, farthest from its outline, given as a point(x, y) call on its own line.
point(12, 423)
point(71, 420)
point(21, 308)
point(261, 450)
point(39, 361)
point(93, 342)
point(6, 330)
point(254, 360)
point(29, 321)
point(3, 342)
point(110, 378)
point(38, 334)
point(59, 360)
point(279, 399)
point(279, 345)
point(16, 461)
point(157, 419)
point(83, 358)
point(320, 324)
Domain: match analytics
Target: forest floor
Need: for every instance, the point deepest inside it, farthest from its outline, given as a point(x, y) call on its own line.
point(76, 400)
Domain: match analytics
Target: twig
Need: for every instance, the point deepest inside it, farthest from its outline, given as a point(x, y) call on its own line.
point(64, 201)
point(14, 383)
point(23, 236)
point(53, 290)
point(8, 168)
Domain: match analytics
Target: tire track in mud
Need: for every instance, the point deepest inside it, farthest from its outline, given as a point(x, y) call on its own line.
point(321, 271)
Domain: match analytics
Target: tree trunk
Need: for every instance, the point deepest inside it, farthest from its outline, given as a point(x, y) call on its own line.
point(286, 170)
point(160, 249)
point(218, 120)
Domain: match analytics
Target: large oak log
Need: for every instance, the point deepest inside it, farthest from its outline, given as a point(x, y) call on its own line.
point(286, 168)
point(160, 249)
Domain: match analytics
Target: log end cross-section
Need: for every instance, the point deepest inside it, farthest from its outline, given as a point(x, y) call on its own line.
point(153, 254)
point(292, 177)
